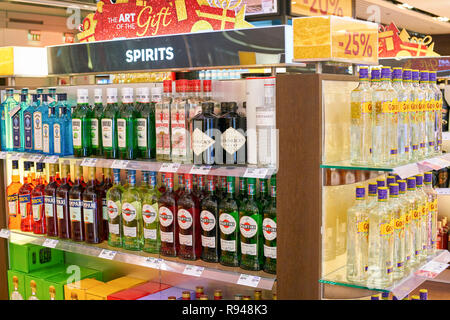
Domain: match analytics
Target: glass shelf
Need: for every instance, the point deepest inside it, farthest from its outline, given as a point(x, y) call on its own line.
point(400, 288)
point(204, 270)
point(404, 171)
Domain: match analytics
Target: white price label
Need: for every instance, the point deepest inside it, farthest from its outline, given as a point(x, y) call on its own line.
point(151, 262)
point(35, 158)
point(4, 233)
point(3, 155)
point(120, 164)
point(408, 170)
point(432, 269)
point(445, 135)
point(442, 191)
point(170, 167)
point(89, 162)
point(51, 159)
point(16, 156)
point(50, 243)
point(249, 280)
point(107, 254)
point(195, 271)
point(259, 173)
point(202, 170)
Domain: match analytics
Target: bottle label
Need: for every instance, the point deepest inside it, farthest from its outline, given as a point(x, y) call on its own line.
point(232, 140)
point(178, 132)
point(207, 220)
point(46, 137)
point(423, 210)
point(201, 141)
point(185, 239)
point(24, 200)
point(166, 237)
point(208, 242)
point(399, 223)
point(113, 210)
point(248, 226)
point(104, 209)
point(165, 217)
point(395, 106)
point(228, 245)
point(408, 217)
point(366, 107)
point(37, 204)
point(94, 132)
point(28, 130)
point(122, 133)
point(227, 223)
point(415, 214)
point(162, 130)
point(75, 210)
point(49, 202)
point(76, 132)
point(89, 208)
point(16, 130)
point(113, 228)
point(60, 204)
point(128, 212)
point(270, 252)
point(386, 107)
point(149, 213)
point(37, 123)
point(249, 248)
point(269, 229)
point(403, 106)
point(386, 229)
point(264, 117)
point(57, 138)
point(130, 231)
point(107, 132)
point(150, 234)
point(142, 132)
point(12, 204)
point(184, 219)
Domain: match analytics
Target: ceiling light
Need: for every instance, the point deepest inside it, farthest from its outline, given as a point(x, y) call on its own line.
point(443, 19)
point(63, 4)
point(405, 6)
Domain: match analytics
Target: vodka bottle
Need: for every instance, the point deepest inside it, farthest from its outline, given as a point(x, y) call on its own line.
point(406, 205)
point(181, 151)
point(162, 123)
point(410, 226)
point(372, 196)
point(398, 214)
point(429, 115)
point(418, 103)
point(357, 238)
point(381, 242)
point(403, 116)
point(431, 223)
point(412, 122)
point(423, 216)
point(361, 120)
point(375, 74)
point(437, 110)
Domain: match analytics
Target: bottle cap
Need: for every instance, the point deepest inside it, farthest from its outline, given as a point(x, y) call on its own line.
point(390, 179)
point(381, 182)
point(156, 94)
point(203, 297)
point(401, 186)
point(411, 181)
point(419, 180)
point(111, 92)
point(385, 295)
point(424, 75)
point(375, 74)
point(62, 96)
point(373, 189)
point(407, 75)
point(428, 177)
point(360, 193)
point(167, 84)
point(432, 76)
point(44, 97)
point(393, 189)
point(98, 96)
point(82, 92)
point(415, 75)
point(186, 295)
point(15, 164)
point(207, 85)
point(196, 85)
point(382, 194)
point(23, 98)
point(397, 73)
point(35, 97)
point(127, 95)
point(363, 72)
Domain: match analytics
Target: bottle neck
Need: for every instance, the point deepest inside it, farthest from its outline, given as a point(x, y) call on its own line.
point(15, 175)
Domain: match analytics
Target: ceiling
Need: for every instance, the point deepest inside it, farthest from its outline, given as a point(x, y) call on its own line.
point(408, 19)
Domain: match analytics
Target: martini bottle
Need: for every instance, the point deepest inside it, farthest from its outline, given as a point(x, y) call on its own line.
point(150, 216)
point(96, 124)
point(132, 215)
point(114, 201)
point(264, 197)
point(209, 216)
point(167, 205)
point(270, 230)
point(127, 126)
point(109, 125)
point(81, 125)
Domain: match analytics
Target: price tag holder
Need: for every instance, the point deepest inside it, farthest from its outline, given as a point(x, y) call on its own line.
point(431, 270)
point(151, 262)
point(3, 155)
point(51, 159)
point(107, 254)
point(16, 156)
point(445, 136)
point(195, 271)
point(120, 164)
point(443, 191)
point(35, 158)
point(50, 243)
point(259, 173)
point(249, 280)
point(170, 167)
point(5, 233)
point(202, 170)
point(89, 162)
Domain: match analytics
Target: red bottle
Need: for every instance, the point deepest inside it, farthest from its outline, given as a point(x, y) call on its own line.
point(26, 222)
point(62, 205)
point(76, 211)
point(162, 188)
point(50, 204)
point(168, 227)
point(188, 218)
point(200, 192)
point(181, 186)
point(38, 201)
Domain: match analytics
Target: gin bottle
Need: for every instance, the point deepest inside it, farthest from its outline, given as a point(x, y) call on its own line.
point(407, 206)
point(81, 125)
point(423, 218)
point(419, 103)
point(398, 212)
point(62, 204)
point(18, 125)
point(6, 124)
point(431, 223)
point(109, 125)
point(127, 126)
point(114, 201)
point(438, 111)
point(361, 120)
point(93, 211)
point(96, 123)
point(412, 119)
point(429, 114)
point(38, 115)
point(209, 217)
point(357, 238)
point(233, 139)
point(132, 215)
point(206, 136)
point(181, 149)
point(150, 216)
point(167, 205)
point(381, 243)
point(146, 132)
point(28, 127)
point(76, 207)
point(269, 226)
point(391, 98)
point(47, 131)
point(403, 115)
point(162, 123)
point(266, 126)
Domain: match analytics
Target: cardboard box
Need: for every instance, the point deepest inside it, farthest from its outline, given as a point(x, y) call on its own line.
point(165, 294)
point(125, 282)
point(101, 292)
point(16, 285)
point(152, 287)
point(29, 257)
point(35, 281)
point(79, 288)
point(128, 294)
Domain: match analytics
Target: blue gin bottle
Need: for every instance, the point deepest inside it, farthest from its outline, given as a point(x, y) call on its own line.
point(18, 125)
point(28, 109)
point(47, 131)
point(40, 111)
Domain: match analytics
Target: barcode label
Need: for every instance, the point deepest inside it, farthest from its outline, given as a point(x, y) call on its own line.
point(259, 173)
point(107, 254)
point(170, 167)
point(195, 271)
point(50, 243)
point(248, 280)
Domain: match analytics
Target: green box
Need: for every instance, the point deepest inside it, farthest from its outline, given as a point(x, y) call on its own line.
point(38, 277)
point(29, 257)
point(20, 293)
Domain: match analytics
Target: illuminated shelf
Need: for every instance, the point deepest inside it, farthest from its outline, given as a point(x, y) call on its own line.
point(404, 171)
point(211, 271)
point(400, 288)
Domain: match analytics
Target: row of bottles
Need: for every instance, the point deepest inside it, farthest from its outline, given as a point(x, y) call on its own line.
point(200, 295)
point(423, 295)
point(396, 117)
point(40, 124)
point(391, 232)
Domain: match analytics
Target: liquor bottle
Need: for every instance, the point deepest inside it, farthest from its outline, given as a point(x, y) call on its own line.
point(266, 125)
point(431, 223)
point(92, 211)
point(438, 102)
point(181, 149)
point(167, 205)
point(38, 114)
point(411, 110)
point(422, 219)
point(37, 202)
point(207, 95)
point(195, 97)
point(76, 207)
point(50, 203)
point(127, 126)
point(188, 218)
point(198, 292)
point(162, 187)
point(423, 294)
point(200, 190)
point(114, 199)
point(12, 192)
point(206, 136)
point(26, 222)
point(59, 129)
point(181, 186)
point(47, 131)
point(65, 120)
point(361, 120)
point(381, 243)
point(375, 78)
point(209, 211)
point(96, 123)
point(15, 294)
point(403, 115)
point(150, 216)
point(398, 216)
point(419, 102)
point(18, 125)
point(229, 231)
point(428, 114)
point(406, 206)
point(233, 131)
point(62, 204)
point(372, 199)
point(109, 125)
point(411, 223)
point(132, 215)
point(186, 295)
point(102, 189)
point(162, 123)
point(81, 125)
point(28, 126)
point(269, 226)
point(33, 290)
point(218, 294)
point(9, 106)
point(263, 198)
point(223, 187)
point(242, 197)
point(146, 132)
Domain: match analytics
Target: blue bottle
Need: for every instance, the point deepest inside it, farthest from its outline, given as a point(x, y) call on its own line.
point(47, 129)
point(67, 131)
point(40, 111)
point(62, 128)
point(28, 127)
point(26, 91)
point(18, 125)
point(6, 120)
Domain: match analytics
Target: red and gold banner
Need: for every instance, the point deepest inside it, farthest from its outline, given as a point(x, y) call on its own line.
point(144, 18)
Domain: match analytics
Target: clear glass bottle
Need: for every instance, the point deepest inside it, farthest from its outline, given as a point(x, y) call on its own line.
point(423, 216)
point(407, 207)
point(429, 114)
point(114, 201)
point(398, 215)
point(357, 238)
point(6, 124)
point(438, 101)
point(418, 103)
point(361, 120)
point(410, 227)
point(162, 123)
point(412, 120)
point(266, 125)
point(403, 115)
point(180, 111)
point(431, 223)
point(133, 238)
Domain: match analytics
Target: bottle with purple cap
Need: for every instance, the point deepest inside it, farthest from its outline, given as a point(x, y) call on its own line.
point(412, 111)
point(375, 74)
point(429, 114)
point(398, 215)
point(372, 196)
point(423, 216)
point(438, 111)
point(433, 213)
point(419, 102)
point(403, 115)
point(406, 205)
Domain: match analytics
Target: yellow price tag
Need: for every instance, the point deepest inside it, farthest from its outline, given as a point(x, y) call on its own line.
point(341, 8)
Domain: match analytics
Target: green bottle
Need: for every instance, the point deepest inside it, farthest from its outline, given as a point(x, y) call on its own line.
point(270, 230)
point(242, 197)
point(250, 225)
point(228, 224)
point(114, 202)
point(150, 216)
point(146, 131)
point(81, 125)
point(96, 123)
point(264, 198)
point(109, 125)
point(133, 238)
point(127, 126)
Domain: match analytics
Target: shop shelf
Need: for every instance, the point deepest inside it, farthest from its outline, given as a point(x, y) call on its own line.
point(400, 288)
point(404, 171)
point(205, 270)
